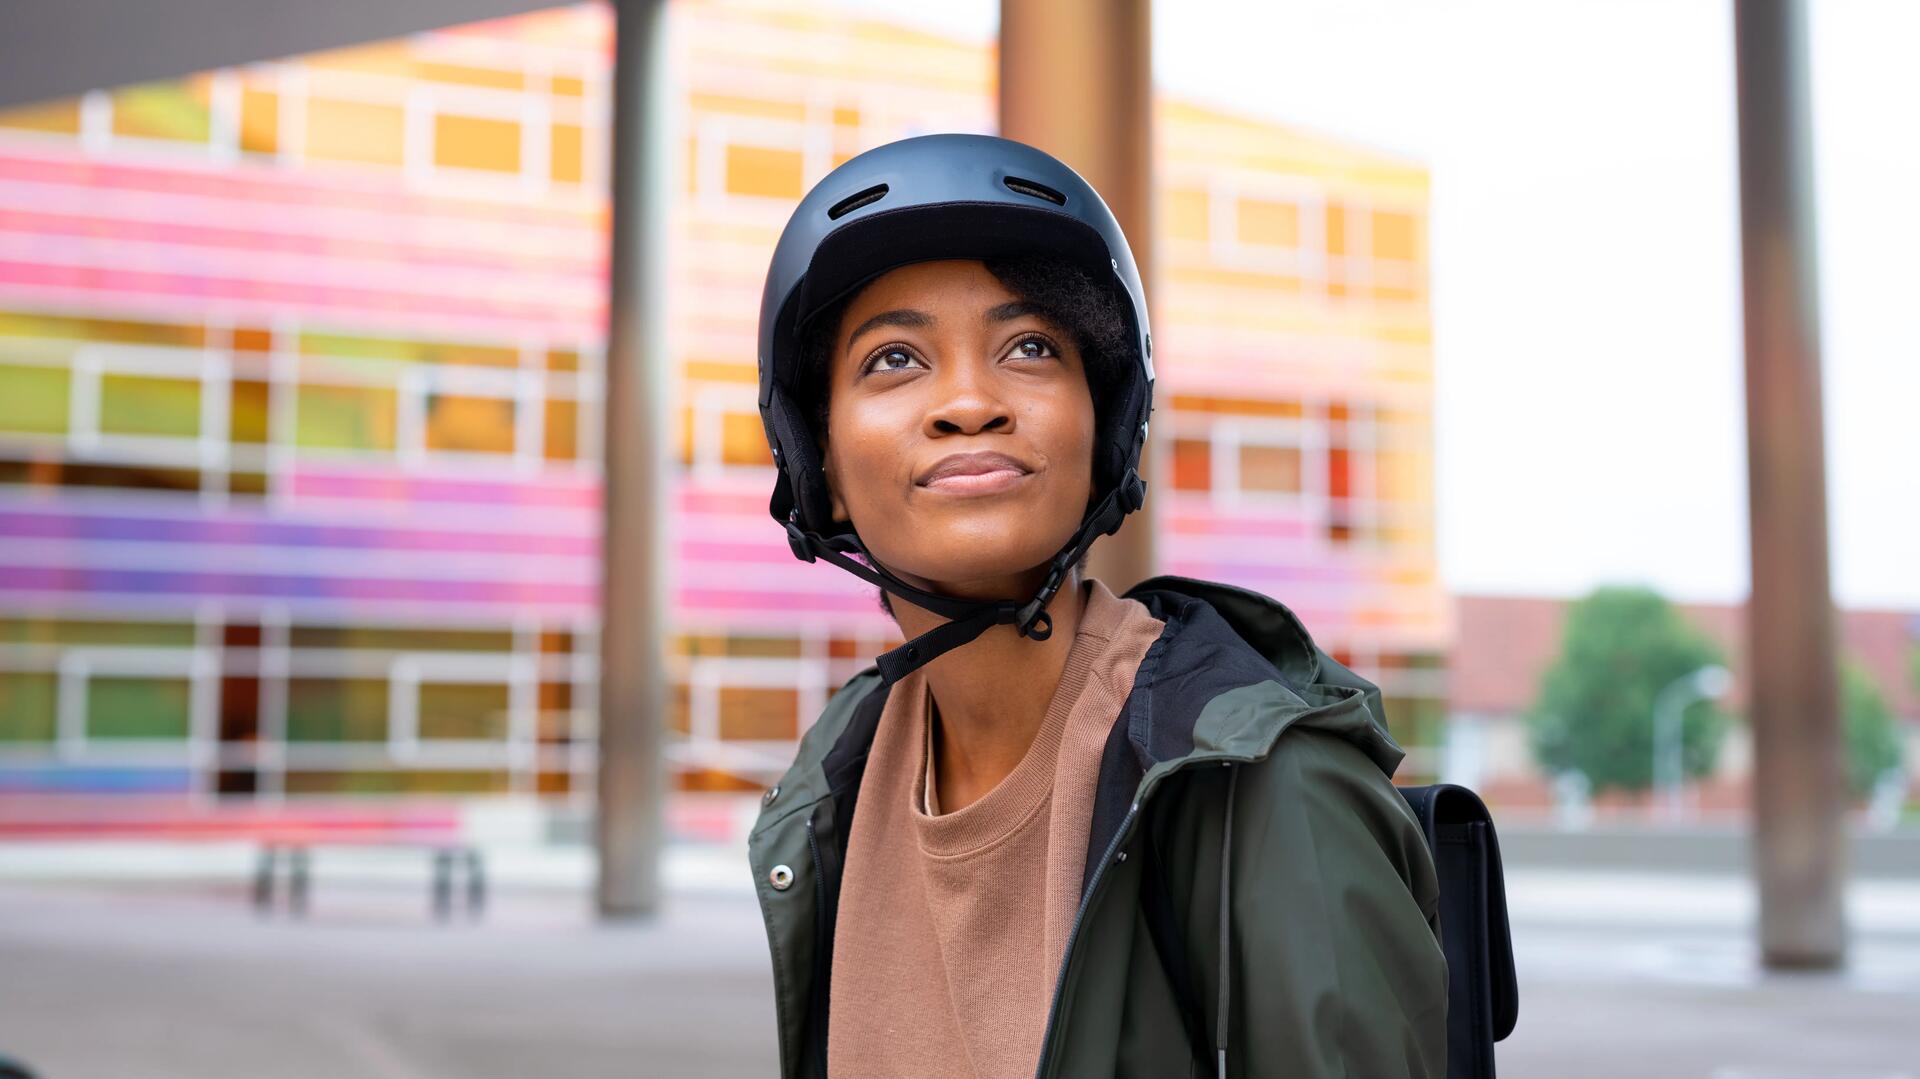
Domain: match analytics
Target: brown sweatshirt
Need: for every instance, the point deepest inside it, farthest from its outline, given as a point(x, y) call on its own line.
point(952, 926)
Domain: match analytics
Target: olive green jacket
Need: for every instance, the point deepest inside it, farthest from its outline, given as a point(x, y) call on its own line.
point(1245, 763)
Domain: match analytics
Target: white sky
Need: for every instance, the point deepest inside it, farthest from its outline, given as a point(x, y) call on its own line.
point(1590, 409)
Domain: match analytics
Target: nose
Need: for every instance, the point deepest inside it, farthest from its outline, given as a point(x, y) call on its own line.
point(967, 405)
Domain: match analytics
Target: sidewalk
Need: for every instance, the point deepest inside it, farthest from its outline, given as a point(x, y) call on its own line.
point(157, 976)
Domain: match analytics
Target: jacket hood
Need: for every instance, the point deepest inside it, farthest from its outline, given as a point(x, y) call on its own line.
point(1255, 670)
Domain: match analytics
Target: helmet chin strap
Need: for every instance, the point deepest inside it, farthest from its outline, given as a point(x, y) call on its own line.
point(967, 619)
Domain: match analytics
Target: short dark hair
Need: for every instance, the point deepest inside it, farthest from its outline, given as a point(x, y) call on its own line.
point(1065, 294)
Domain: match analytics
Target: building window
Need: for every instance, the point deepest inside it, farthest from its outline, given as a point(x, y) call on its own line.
point(345, 417)
point(259, 121)
point(769, 173)
point(1393, 236)
point(137, 707)
point(476, 142)
point(469, 424)
point(1339, 474)
point(139, 405)
point(53, 118)
point(754, 714)
point(36, 399)
point(562, 430)
point(743, 440)
point(465, 711)
point(1336, 225)
point(1270, 469)
point(1268, 223)
point(568, 153)
point(27, 706)
point(355, 131)
point(1187, 214)
point(1192, 464)
point(336, 710)
point(175, 110)
point(247, 412)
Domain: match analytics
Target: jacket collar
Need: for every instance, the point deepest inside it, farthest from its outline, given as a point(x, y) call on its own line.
point(1219, 640)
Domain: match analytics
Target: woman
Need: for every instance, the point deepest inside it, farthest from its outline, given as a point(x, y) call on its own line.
point(1058, 832)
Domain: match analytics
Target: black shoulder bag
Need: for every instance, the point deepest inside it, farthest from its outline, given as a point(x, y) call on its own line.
point(1483, 998)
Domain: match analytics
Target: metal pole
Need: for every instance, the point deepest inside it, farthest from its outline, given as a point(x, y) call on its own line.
point(1669, 727)
point(1798, 778)
point(1100, 121)
point(632, 777)
point(1668, 708)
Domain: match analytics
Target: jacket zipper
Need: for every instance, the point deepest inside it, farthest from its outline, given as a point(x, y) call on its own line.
point(820, 905)
point(1093, 886)
point(1073, 934)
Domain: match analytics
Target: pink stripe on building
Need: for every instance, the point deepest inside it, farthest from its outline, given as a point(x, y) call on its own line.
point(387, 485)
point(262, 299)
point(246, 182)
point(401, 249)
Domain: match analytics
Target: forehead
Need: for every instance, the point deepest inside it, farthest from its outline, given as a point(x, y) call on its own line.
point(943, 286)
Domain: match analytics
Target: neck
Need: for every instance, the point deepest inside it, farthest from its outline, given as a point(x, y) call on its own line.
point(991, 695)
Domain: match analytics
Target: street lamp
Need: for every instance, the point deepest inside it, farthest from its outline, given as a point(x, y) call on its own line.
point(1704, 684)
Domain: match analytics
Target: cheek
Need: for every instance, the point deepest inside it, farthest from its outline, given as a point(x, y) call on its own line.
point(1069, 443)
point(861, 455)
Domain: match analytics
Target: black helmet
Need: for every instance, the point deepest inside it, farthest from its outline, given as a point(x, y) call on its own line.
point(942, 197)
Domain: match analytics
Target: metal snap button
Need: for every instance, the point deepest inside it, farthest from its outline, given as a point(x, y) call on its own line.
point(772, 793)
point(781, 878)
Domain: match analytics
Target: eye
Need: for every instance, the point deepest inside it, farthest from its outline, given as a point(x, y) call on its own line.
point(892, 359)
point(1032, 348)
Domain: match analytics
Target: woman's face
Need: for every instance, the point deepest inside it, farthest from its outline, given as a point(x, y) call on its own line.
point(959, 429)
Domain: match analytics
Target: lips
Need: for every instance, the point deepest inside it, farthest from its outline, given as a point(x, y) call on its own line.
point(973, 473)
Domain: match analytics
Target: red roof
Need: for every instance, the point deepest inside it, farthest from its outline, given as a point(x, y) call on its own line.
point(1502, 645)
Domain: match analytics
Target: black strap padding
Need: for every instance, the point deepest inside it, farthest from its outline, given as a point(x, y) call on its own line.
point(799, 466)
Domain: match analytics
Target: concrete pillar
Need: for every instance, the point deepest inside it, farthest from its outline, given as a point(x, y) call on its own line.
point(1076, 80)
point(633, 691)
point(1798, 776)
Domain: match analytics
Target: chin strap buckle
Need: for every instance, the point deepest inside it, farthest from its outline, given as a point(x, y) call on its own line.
point(1133, 495)
point(797, 539)
point(1032, 619)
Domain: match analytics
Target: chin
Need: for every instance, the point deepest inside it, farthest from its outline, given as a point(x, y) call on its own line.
point(955, 559)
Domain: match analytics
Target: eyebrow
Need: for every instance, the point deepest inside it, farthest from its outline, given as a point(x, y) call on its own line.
point(1007, 312)
point(905, 317)
point(911, 319)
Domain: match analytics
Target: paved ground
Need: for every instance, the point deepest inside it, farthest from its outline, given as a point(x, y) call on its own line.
point(157, 978)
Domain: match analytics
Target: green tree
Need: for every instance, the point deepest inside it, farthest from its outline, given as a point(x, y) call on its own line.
point(1872, 732)
point(1594, 714)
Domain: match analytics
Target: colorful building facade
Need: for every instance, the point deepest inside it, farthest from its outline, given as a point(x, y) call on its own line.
point(300, 366)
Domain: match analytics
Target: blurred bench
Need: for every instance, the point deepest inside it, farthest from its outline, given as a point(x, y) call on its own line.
point(286, 835)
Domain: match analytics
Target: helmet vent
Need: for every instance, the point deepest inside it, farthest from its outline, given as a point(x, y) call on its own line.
point(853, 202)
point(1034, 190)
